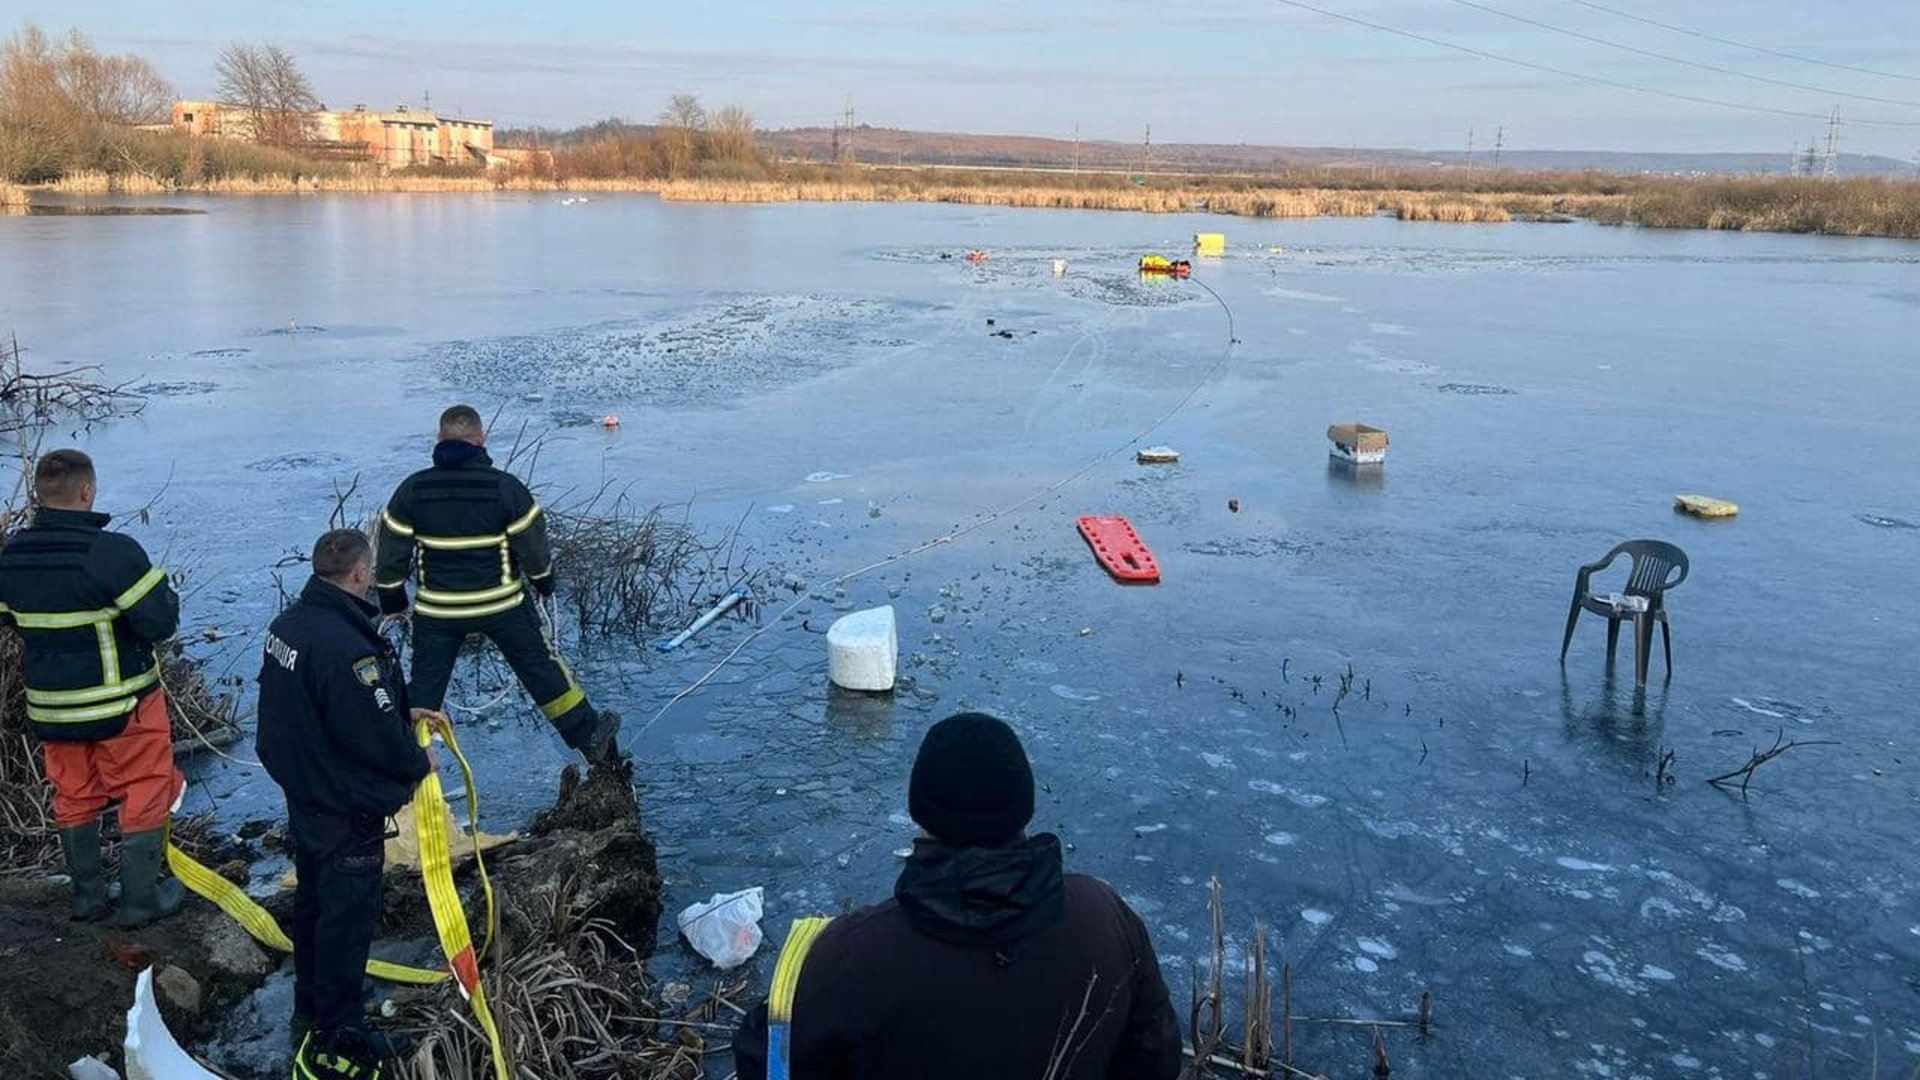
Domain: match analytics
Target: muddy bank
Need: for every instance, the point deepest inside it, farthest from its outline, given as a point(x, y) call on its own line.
point(586, 857)
point(69, 985)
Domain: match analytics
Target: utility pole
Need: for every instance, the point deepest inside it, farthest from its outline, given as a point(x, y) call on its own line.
point(1499, 143)
point(426, 97)
point(1469, 149)
point(1076, 148)
point(1146, 154)
point(1807, 160)
point(847, 120)
point(1832, 170)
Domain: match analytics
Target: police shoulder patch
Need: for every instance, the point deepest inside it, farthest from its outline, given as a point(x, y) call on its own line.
point(367, 670)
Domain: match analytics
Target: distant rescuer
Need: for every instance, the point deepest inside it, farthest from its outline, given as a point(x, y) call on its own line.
point(471, 533)
point(335, 733)
point(90, 608)
point(987, 962)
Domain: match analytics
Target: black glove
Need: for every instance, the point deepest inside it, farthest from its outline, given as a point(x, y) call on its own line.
point(543, 585)
point(393, 601)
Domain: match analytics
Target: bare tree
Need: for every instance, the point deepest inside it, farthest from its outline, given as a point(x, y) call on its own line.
point(39, 131)
point(119, 90)
point(266, 82)
point(683, 125)
point(731, 135)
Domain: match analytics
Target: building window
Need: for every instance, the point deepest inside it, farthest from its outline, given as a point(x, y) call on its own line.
point(188, 117)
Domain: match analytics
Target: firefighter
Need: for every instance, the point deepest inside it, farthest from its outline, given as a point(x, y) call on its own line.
point(475, 539)
point(334, 733)
point(90, 608)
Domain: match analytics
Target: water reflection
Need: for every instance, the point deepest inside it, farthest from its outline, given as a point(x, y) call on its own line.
point(1633, 734)
point(1353, 474)
point(859, 714)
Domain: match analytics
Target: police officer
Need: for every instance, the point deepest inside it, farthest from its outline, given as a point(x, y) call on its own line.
point(90, 608)
point(335, 734)
point(471, 533)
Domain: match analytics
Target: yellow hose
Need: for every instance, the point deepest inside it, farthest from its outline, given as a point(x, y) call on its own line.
point(436, 870)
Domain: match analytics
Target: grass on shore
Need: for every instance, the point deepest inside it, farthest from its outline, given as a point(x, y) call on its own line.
point(1858, 207)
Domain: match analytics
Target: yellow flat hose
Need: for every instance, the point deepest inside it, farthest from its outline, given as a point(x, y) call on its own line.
point(436, 871)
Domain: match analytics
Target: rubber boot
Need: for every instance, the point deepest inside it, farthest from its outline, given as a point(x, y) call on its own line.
point(297, 1030)
point(144, 897)
point(603, 741)
point(81, 845)
point(351, 1054)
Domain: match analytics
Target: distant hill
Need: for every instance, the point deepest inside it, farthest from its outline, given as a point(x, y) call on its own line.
point(893, 146)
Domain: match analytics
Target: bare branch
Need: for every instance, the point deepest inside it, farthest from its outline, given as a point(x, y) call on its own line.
point(1761, 757)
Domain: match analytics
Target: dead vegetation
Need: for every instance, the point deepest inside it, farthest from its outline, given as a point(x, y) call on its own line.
point(579, 908)
point(1210, 1053)
point(1781, 744)
point(634, 571)
point(625, 568)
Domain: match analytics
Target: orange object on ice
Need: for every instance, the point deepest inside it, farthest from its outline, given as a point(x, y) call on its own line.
point(609, 421)
point(1119, 548)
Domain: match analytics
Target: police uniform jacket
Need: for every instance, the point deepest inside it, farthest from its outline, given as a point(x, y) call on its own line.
point(334, 731)
point(89, 607)
point(470, 531)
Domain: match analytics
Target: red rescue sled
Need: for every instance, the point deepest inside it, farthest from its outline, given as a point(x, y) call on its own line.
point(1118, 548)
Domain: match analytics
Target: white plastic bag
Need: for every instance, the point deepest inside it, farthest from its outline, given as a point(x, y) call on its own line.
point(725, 929)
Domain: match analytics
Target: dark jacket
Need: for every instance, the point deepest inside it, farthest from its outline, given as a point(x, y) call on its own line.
point(470, 530)
point(973, 971)
point(333, 729)
point(89, 607)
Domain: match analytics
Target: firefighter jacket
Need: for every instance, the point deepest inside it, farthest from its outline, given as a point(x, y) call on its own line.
point(90, 607)
point(468, 532)
point(334, 730)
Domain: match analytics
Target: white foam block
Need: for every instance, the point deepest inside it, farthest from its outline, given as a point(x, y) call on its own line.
point(862, 650)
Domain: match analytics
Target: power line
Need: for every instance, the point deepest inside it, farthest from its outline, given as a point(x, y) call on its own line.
point(1704, 36)
point(1681, 60)
point(1565, 73)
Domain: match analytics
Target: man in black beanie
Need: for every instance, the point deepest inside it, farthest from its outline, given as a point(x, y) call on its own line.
point(990, 960)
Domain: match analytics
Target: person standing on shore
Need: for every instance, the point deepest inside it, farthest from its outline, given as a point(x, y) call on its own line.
point(335, 732)
point(90, 607)
point(475, 539)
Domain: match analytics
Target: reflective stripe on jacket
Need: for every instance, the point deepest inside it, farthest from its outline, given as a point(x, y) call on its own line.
point(89, 607)
point(466, 532)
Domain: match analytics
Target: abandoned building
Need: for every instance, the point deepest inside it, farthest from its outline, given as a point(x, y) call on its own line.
point(401, 139)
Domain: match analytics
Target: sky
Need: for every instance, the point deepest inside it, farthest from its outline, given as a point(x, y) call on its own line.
point(1232, 71)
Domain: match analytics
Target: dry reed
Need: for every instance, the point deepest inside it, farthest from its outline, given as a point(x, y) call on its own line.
point(573, 1004)
point(1860, 207)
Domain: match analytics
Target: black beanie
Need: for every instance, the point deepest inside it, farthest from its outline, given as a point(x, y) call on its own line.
point(971, 784)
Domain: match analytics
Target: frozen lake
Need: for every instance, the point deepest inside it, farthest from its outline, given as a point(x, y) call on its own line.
point(1476, 821)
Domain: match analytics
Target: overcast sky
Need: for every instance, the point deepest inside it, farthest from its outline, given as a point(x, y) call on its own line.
point(1256, 71)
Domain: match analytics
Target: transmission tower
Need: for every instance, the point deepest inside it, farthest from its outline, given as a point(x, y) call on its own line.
point(1832, 168)
point(1146, 153)
point(1499, 143)
point(1469, 149)
point(846, 122)
point(1076, 148)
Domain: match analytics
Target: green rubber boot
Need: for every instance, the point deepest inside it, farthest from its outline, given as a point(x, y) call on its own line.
point(144, 897)
point(81, 845)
